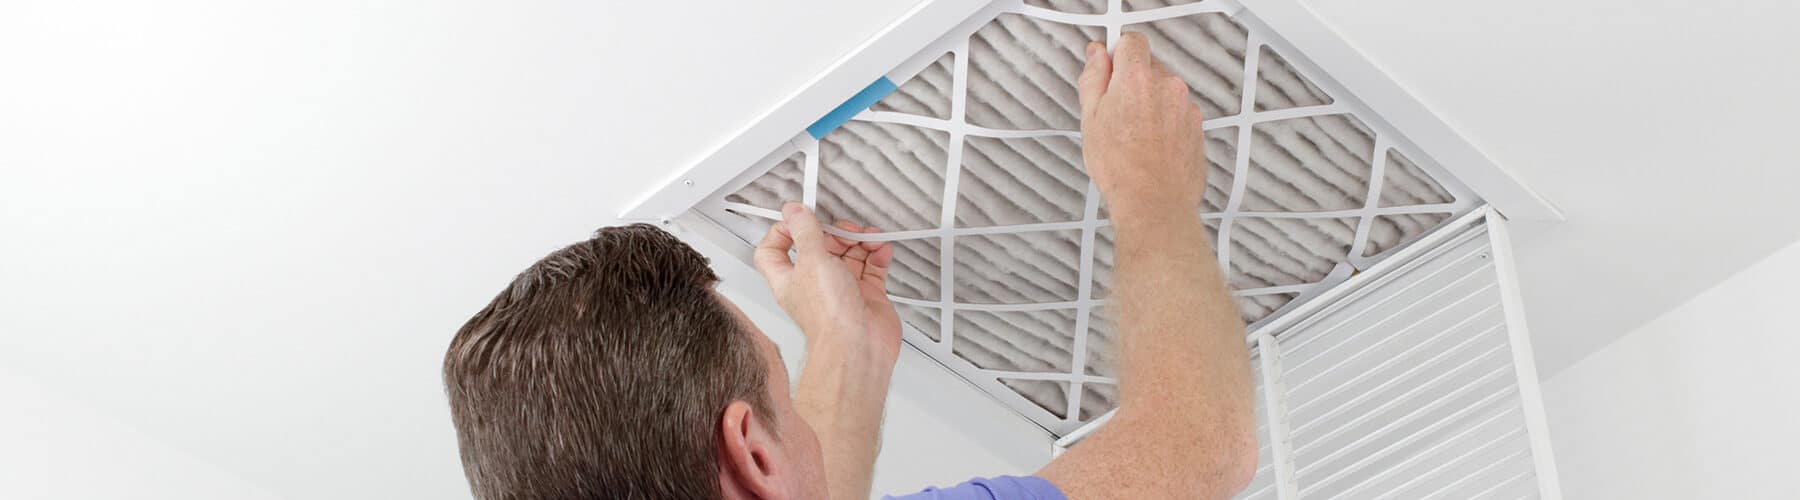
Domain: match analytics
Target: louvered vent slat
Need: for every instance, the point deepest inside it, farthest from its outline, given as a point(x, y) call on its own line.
point(1407, 386)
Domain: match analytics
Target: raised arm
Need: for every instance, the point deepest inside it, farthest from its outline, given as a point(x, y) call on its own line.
point(834, 290)
point(1185, 427)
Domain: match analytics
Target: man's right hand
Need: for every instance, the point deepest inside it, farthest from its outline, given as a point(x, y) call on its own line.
point(1140, 135)
point(836, 290)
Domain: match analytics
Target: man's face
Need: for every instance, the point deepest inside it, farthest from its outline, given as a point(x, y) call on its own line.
point(798, 444)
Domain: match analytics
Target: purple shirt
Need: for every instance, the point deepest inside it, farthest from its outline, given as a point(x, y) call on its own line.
point(993, 488)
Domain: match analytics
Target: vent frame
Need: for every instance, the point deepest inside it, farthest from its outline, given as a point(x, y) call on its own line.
point(1404, 126)
point(1248, 125)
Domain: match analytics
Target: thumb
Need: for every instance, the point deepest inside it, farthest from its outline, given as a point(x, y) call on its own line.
point(809, 237)
point(1094, 79)
point(772, 254)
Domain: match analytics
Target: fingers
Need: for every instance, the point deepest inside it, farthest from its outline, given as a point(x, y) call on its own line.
point(1132, 53)
point(1093, 80)
point(803, 227)
point(869, 258)
point(847, 248)
point(873, 245)
point(771, 257)
point(837, 245)
point(879, 258)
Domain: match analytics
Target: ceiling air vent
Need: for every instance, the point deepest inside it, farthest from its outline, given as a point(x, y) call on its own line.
point(972, 166)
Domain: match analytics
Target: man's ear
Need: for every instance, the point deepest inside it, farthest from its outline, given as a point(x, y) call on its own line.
point(747, 457)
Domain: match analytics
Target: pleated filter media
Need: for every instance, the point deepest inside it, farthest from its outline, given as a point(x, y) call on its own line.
point(1003, 247)
point(971, 165)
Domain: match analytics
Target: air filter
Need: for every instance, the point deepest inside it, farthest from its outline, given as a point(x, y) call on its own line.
point(990, 181)
point(972, 167)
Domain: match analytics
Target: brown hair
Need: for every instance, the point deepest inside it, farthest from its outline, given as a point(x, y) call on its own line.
point(601, 372)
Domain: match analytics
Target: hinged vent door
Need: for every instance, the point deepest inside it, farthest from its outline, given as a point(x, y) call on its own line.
point(1414, 381)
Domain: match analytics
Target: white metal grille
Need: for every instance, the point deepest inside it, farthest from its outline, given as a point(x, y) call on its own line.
point(1413, 380)
point(1004, 252)
point(1413, 383)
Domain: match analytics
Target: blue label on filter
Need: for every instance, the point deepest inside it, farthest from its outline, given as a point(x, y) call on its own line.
point(857, 103)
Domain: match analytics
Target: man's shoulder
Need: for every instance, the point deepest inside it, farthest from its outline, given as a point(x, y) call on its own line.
point(991, 488)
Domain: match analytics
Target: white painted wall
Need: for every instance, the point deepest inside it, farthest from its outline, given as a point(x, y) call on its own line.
point(235, 237)
point(57, 448)
point(1698, 403)
point(1660, 128)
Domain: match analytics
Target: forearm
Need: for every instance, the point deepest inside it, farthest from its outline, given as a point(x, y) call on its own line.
point(841, 392)
point(1185, 427)
point(1185, 370)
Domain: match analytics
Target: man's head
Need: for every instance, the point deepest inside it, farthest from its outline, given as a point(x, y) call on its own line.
point(612, 369)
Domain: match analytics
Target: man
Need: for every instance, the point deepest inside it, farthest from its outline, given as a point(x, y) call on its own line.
point(612, 369)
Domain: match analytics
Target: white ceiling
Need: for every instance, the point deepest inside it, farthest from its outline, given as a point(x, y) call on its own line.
point(1663, 130)
point(245, 230)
